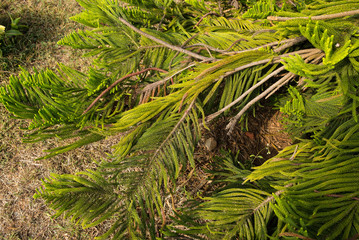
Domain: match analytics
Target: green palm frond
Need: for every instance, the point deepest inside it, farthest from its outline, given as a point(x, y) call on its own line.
point(237, 24)
point(237, 84)
point(237, 210)
point(132, 180)
point(90, 190)
point(324, 189)
point(260, 10)
point(244, 212)
point(325, 41)
point(329, 7)
point(297, 65)
point(47, 97)
point(311, 115)
point(114, 48)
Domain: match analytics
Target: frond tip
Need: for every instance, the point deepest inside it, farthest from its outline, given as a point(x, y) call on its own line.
point(87, 197)
point(244, 212)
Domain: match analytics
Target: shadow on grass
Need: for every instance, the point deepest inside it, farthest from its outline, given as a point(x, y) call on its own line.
point(45, 25)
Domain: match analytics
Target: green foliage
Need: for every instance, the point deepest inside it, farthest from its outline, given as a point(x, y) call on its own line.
point(163, 69)
point(14, 30)
point(322, 180)
point(260, 10)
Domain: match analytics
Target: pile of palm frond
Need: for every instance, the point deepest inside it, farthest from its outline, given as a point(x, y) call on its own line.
point(163, 70)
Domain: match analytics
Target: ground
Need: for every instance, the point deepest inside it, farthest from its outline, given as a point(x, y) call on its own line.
point(22, 217)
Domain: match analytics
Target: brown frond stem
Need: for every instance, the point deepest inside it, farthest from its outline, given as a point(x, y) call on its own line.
point(162, 19)
point(269, 90)
point(204, 16)
point(288, 77)
point(287, 43)
point(291, 2)
point(214, 115)
point(181, 103)
point(170, 46)
point(235, 42)
point(235, 119)
point(207, 47)
point(275, 60)
point(320, 17)
point(189, 39)
point(149, 47)
point(271, 198)
point(290, 234)
point(185, 114)
point(304, 53)
point(337, 195)
point(118, 81)
point(163, 81)
point(183, 44)
point(263, 31)
point(253, 49)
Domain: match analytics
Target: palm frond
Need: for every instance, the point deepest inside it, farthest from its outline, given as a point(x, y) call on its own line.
point(237, 24)
point(242, 213)
point(87, 191)
point(324, 191)
point(46, 97)
point(260, 10)
point(133, 179)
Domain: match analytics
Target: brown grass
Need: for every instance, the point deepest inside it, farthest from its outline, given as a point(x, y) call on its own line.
point(22, 217)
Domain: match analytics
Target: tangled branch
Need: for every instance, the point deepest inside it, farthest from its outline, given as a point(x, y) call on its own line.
point(320, 17)
point(117, 82)
point(170, 46)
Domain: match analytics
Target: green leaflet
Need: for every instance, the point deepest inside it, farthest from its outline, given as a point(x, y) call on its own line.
point(307, 115)
point(236, 206)
point(323, 36)
point(297, 65)
point(91, 194)
point(260, 10)
point(326, 185)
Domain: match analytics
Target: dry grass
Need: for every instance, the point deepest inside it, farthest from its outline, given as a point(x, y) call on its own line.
point(22, 217)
